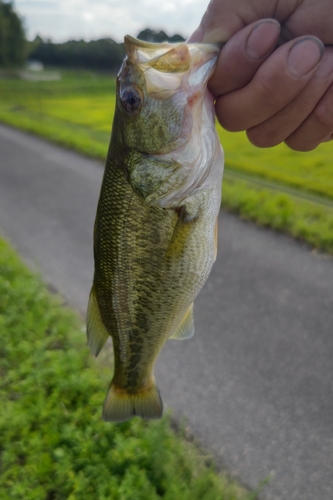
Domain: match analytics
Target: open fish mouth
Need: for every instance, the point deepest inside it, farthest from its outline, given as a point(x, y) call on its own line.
point(179, 72)
point(165, 64)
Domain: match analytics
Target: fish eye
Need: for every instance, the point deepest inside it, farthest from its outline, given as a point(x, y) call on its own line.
point(130, 99)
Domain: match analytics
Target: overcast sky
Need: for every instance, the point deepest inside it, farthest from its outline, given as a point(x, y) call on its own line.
point(90, 19)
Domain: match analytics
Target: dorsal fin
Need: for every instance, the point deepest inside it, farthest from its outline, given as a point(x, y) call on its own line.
point(186, 328)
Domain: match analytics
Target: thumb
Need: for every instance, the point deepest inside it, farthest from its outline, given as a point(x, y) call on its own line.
point(224, 18)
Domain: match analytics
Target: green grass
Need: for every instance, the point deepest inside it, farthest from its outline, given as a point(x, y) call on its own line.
point(311, 171)
point(306, 221)
point(77, 112)
point(54, 444)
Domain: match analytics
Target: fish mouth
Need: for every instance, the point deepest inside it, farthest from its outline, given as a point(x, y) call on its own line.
point(171, 69)
point(174, 58)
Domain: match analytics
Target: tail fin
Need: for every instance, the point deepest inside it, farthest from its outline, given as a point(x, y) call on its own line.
point(120, 406)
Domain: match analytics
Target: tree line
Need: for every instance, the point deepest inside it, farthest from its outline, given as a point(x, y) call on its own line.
point(12, 37)
point(104, 54)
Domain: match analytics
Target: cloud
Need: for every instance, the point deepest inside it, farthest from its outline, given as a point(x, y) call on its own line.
point(74, 19)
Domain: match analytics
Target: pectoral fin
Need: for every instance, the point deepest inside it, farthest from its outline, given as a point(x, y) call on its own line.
point(150, 178)
point(96, 331)
point(186, 328)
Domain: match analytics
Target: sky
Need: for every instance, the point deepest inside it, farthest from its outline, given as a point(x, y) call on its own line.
point(62, 20)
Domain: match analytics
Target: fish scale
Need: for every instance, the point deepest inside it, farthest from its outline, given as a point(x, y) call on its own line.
point(152, 260)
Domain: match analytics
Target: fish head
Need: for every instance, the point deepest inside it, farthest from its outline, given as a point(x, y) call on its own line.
point(160, 89)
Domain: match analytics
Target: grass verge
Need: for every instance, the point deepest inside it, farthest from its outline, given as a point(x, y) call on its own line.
point(308, 222)
point(54, 444)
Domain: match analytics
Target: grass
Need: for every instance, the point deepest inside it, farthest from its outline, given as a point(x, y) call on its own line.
point(77, 111)
point(54, 444)
point(311, 171)
point(306, 221)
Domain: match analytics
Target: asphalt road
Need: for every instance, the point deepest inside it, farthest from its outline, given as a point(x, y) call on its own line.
point(255, 383)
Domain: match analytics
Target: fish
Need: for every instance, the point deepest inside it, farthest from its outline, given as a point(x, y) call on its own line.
point(155, 233)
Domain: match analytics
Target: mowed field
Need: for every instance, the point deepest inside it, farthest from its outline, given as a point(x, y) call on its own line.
point(279, 188)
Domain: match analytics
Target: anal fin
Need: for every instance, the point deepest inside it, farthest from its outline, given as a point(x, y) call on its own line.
point(185, 329)
point(96, 331)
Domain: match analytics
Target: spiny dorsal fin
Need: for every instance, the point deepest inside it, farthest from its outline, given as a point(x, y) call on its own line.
point(186, 328)
point(96, 331)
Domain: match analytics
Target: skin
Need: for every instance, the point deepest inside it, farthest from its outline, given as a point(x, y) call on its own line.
point(274, 77)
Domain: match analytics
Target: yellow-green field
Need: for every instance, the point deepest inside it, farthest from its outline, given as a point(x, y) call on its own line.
point(76, 111)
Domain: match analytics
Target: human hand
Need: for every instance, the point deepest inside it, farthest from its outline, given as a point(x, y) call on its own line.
point(276, 95)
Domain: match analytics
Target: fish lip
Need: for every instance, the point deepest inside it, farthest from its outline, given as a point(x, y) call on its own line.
point(202, 49)
point(128, 39)
point(204, 59)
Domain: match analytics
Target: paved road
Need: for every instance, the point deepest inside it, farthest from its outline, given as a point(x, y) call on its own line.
point(256, 381)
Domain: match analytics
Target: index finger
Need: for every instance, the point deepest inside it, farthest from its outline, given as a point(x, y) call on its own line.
point(242, 56)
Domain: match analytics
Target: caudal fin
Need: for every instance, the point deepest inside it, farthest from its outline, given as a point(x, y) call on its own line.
point(120, 406)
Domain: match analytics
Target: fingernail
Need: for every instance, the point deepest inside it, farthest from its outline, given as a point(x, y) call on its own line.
point(304, 55)
point(262, 38)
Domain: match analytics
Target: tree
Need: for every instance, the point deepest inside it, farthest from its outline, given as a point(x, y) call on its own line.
point(12, 36)
point(149, 35)
point(104, 54)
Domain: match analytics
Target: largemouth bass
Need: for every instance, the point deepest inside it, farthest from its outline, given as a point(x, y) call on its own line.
point(155, 235)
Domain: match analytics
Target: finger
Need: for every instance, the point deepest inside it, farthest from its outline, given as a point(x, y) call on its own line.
point(317, 128)
point(284, 123)
point(223, 19)
point(277, 82)
point(242, 55)
point(219, 23)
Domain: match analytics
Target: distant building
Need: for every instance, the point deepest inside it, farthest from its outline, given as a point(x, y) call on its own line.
point(35, 65)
